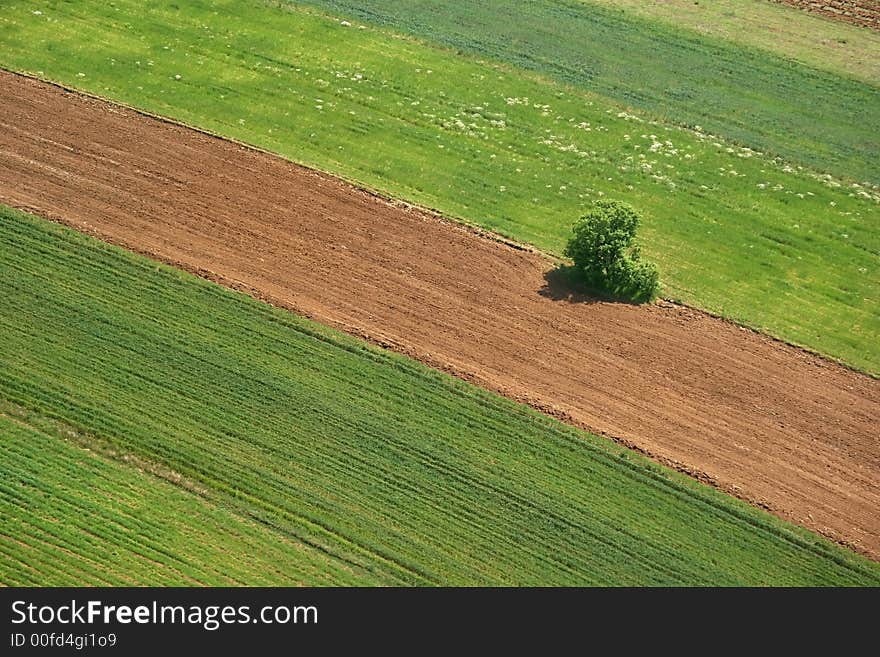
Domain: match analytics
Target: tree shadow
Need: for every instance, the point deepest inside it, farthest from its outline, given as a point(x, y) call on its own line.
point(566, 283)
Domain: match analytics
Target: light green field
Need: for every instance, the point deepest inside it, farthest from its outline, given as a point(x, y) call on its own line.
point(778, 248)
point(73, 516)
point(207, 412)
point(808, 38)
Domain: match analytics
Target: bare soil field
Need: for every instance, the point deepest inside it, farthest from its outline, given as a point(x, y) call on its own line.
point(859, 12)
point(767, 422)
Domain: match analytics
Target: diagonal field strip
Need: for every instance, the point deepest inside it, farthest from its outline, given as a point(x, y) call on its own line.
point(122, 525)
point(765, 421)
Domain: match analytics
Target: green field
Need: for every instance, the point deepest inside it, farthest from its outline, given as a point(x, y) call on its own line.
point(75, 517)
point(170, 407)
point(803, 114)
point(789, 33)
point(781, 249)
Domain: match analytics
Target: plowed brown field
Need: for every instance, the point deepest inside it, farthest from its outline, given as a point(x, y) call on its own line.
point(859, 12)
point(765, 421)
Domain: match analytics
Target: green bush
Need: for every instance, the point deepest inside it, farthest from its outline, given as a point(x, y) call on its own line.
point(604, 253)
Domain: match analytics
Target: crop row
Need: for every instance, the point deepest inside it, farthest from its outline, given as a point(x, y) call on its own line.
point(73, 517)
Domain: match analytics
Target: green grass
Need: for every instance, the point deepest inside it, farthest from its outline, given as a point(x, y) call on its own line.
point(395, 472)
point(803, 114)
point(74, 517)
point(737, 233)
point(787, 32)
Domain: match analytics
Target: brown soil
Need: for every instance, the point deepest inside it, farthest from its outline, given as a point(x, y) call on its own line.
point(859, 12)
point(770, 423)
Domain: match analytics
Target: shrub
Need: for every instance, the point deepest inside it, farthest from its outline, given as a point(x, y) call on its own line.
point(604, 253)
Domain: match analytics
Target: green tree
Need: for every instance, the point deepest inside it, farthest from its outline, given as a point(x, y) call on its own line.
point(604, 252)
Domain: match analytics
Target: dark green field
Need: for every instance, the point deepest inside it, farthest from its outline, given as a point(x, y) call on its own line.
point(145, 407)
